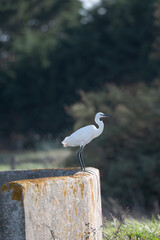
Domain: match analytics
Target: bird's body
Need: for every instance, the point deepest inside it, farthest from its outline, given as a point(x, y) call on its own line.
point(84, 135)
point(81, 137)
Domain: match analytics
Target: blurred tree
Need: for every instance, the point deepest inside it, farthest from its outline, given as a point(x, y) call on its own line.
point(29, 32)
point(155, 55)
point(128, 151)
point(49, 50)
point(24, 22)
point(113, 44)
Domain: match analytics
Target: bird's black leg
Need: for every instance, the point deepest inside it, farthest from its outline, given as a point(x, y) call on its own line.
point(80, 159)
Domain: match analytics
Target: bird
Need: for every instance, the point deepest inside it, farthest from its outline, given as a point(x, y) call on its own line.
point(85, 135)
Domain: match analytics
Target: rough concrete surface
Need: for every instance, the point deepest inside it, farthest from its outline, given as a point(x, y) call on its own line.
point(61, 204)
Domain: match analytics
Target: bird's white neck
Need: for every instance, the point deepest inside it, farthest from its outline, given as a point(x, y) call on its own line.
point(100, 126)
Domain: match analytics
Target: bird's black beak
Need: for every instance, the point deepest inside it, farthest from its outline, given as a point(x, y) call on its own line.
point(105, 115)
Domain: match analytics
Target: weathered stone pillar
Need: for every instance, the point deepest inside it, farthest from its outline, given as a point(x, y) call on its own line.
point(58, 204)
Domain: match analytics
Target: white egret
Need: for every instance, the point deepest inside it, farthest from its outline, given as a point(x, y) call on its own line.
point(84, 135)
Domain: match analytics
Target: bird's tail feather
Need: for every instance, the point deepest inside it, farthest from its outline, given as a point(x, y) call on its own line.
point(64, 144)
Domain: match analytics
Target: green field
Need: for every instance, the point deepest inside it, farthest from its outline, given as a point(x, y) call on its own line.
point(132, 229)
point(33, 159)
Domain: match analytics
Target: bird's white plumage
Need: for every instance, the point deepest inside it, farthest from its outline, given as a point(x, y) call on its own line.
point(84, 135)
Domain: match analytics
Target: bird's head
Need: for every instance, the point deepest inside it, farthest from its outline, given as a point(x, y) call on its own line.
point(102, 115)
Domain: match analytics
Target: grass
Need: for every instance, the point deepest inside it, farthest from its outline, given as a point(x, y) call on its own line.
point(33, 159)
point(132, 229)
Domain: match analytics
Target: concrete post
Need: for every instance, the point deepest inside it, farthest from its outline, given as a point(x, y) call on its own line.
point(59, 204)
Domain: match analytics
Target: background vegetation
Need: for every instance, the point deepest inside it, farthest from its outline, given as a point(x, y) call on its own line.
point(61, 63)
point(128, 151)
point(132, 229)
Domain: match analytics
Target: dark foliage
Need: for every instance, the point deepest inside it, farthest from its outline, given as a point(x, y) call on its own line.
point(128, 151)
point(52, 49)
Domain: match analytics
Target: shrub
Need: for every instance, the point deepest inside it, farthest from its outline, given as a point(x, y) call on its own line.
point(128, 151)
